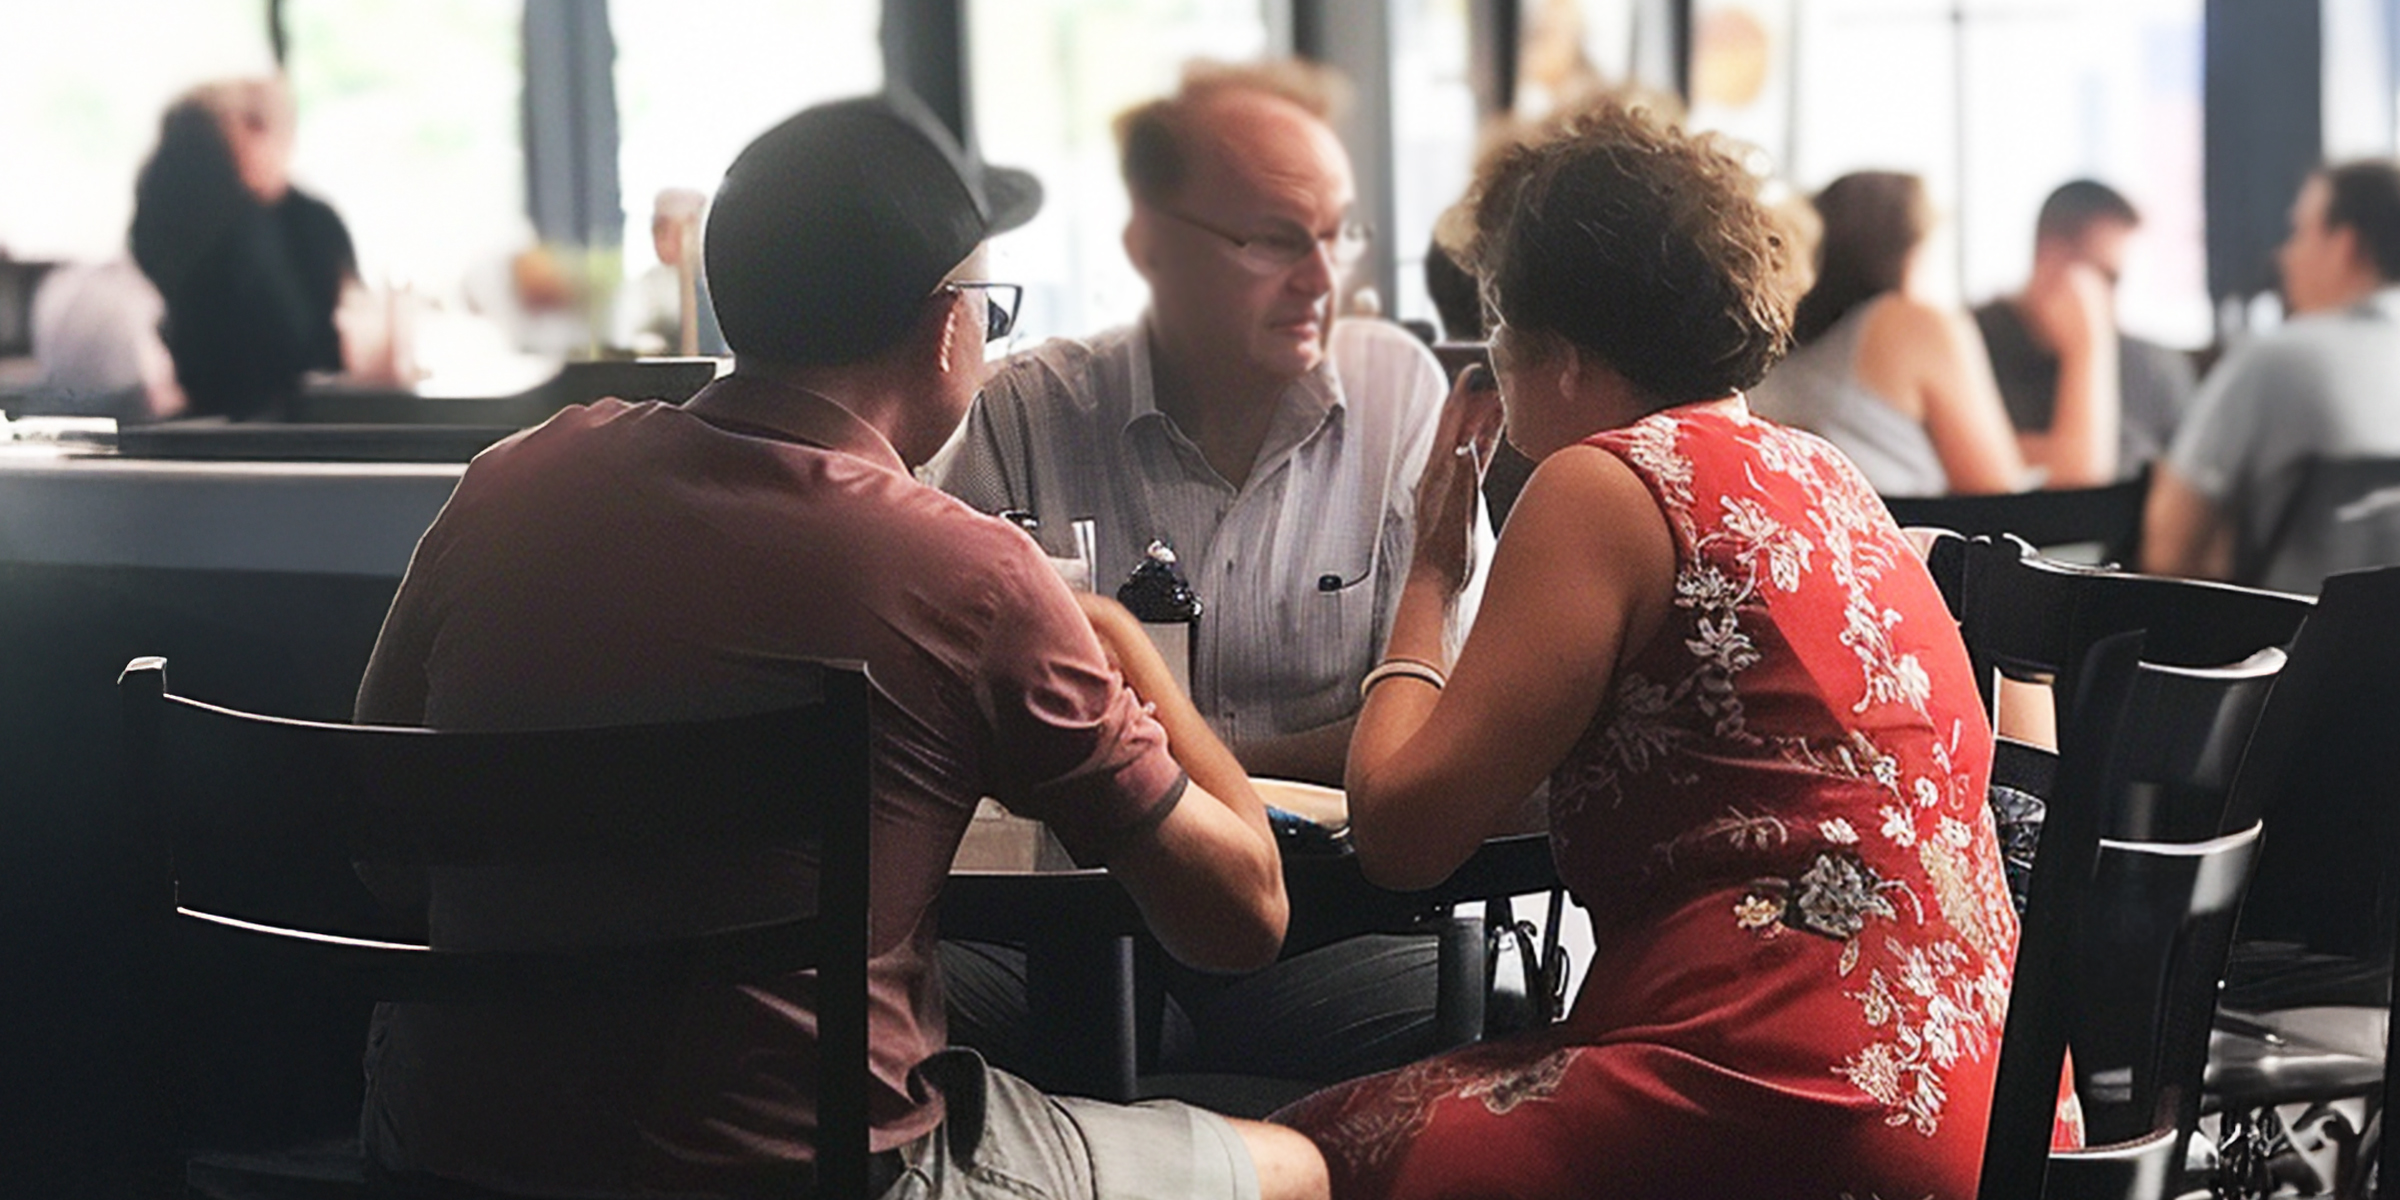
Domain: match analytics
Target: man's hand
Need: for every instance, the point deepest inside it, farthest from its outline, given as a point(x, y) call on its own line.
point(2071, 310)
point(1463, 441)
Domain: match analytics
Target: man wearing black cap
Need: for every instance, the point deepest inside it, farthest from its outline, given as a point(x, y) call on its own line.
point(629, 562)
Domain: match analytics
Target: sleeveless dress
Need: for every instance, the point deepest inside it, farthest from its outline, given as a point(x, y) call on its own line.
point(1817, 388)
point(1778, 824)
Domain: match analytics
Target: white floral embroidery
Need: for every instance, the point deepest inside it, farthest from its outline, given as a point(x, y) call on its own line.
point(1899, 879)
point(1898, 826)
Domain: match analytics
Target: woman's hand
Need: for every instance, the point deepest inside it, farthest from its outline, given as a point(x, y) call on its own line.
point(1447, 492)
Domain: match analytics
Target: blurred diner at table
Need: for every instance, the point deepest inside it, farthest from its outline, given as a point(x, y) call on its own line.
point(2058, 334)
point(1902, 383)
point(251, 267)
point(2226, 502)
point(1758, 723)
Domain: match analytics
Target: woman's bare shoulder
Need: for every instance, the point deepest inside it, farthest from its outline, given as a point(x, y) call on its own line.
point(1586, 495)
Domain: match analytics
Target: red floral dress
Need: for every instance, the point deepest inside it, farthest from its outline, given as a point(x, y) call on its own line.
point(1778, 825)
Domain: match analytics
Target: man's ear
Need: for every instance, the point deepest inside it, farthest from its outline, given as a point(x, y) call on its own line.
point(947, 314)
point(1141, 241)
point(2353, 251)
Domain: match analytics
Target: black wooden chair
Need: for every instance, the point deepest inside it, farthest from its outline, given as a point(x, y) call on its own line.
point(2108, 517)
point(2305, 1011)
point(2343, 515)
point(2034, 619)
point(2125, 932)
point(205, 778)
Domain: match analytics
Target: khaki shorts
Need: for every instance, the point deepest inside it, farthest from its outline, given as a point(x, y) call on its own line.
point(1004, 1138)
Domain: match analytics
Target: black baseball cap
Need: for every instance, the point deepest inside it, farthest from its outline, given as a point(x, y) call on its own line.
point(833, 227)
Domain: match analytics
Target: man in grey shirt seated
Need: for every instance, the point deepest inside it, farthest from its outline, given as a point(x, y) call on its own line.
point(2322, 385)
point(2060, 332)
point(1276, 451)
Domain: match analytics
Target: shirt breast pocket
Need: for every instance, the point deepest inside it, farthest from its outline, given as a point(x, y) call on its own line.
point(1330, 643)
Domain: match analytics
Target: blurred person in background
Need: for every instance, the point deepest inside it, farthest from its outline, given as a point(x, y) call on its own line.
point(650, 308)
point(1900, 383)
point(251, 268)
point(2320, 385)
point(2059, 336)
point(95, 333)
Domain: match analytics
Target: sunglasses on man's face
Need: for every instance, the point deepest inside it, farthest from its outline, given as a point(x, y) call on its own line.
point(1000, 302)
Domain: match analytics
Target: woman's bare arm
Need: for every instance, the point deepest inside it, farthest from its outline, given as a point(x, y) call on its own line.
point(1932, 363)
point(1585, 570)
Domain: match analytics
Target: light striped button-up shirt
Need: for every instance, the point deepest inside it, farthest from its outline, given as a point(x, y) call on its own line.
point(1070, 429)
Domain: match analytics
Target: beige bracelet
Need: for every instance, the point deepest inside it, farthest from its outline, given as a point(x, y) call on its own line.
point(1408, 668)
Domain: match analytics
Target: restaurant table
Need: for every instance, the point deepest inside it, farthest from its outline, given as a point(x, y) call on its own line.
point(1079, 929)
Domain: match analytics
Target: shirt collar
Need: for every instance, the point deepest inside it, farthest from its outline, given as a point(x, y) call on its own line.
point(1315, 395)
point(2383, 301)
point(795, 413)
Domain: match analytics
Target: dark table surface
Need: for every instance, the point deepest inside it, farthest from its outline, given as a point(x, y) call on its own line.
point(1079, 929)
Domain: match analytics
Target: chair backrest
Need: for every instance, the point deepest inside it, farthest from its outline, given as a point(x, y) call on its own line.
point(2332, 798)
point(2027, 616)
point(205, 777)
point(2160, 913)
point(2343, 515)
point(2109, 517)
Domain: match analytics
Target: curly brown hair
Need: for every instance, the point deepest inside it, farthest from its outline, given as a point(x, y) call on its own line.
point(1641, 244)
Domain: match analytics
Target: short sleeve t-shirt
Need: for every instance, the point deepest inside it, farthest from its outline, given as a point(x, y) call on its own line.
point(2318, 386)
point(648, 562)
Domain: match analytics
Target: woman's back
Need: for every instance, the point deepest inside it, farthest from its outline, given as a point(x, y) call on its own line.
point(1819, 388)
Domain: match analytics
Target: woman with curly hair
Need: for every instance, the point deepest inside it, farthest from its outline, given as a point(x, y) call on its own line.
point(1766, 757)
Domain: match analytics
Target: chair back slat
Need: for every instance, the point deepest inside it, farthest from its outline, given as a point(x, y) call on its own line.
point(204, 777)
point(2109, 516)
point(2026, 616)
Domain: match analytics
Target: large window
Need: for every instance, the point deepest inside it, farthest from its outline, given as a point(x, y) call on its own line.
point(424, 162)
point(696, 84)
point(1049, 75)
point(1433, 123)
point(83, 85)
point(1994, 103)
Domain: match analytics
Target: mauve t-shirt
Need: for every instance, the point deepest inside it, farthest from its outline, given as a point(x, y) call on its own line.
point(644, 562)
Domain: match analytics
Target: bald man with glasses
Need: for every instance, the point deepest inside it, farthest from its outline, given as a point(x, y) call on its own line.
point(1276, 451)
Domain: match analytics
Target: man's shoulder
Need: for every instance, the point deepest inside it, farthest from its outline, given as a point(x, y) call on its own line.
point(1386, 366)
point(1066, 375)
point(2308, 347)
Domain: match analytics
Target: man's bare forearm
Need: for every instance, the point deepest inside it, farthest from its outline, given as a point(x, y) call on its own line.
point(1314, 755)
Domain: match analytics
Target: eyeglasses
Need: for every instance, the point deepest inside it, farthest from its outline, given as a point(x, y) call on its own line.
point(1283, 249)
point(1000, 302)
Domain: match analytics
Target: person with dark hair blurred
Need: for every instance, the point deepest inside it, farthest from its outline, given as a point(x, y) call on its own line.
point(1899, 382)
point(2320, 385)
point(1764, 745)
point(251, 267)
point(2057, 340)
